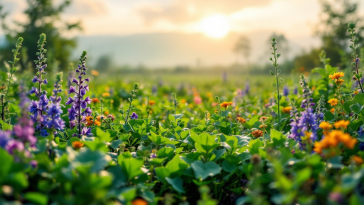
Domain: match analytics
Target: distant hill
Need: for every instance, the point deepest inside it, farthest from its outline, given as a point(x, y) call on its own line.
point(171, 49)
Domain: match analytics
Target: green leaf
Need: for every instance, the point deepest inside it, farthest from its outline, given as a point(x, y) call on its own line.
point(277, 137)
point(115, 144)
point(356, 108)
point(5, 126)
point(204, 170)
point(177, 184)
point(329, 116)
point(37, 198)
point(228, 166)
point(347, 105)
point(98, 160)
point(176, 166)
point(359, 98)
point(6, 161)
point(321, 71)
point(165, 152)
point(131, 166)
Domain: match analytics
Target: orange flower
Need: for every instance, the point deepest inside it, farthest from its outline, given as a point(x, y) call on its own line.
point(332, 110)
point(105, 95)
point(183, 101)
point(77, 144)
point(333, 101)
point(225, 104)
point(106, 112)
point(356, 92)
point(341, 124)
point(333, 139)
point(286, 109)
point(257, 133)
point(358, 160)
point(95, 100)
point(241, 120)
point(151, 102)
point(139, 202)
point(94, 73)
point(339, 81)
point(325, 125)
point(336, 75)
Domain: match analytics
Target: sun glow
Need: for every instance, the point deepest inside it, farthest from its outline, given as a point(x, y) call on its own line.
point(216, 26)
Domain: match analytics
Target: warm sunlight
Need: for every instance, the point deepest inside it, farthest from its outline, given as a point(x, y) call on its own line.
point(216, 26)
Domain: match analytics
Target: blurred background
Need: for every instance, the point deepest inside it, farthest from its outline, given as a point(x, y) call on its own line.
point(222, 37)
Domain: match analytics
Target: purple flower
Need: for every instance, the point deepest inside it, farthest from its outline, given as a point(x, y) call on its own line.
point(285, 91)
point(45, 81)
point(72, 113)
point(72, 90)
point(35, 79)
point(295, 91)
point(86, 131)
point(34, 164)
point(54, 109)
point(77, 101)
point(4, 138)
point(134, 116)
point(153, 155)
point(69, 101)
point(13, 145)
point(33, 90)
point(361, 146)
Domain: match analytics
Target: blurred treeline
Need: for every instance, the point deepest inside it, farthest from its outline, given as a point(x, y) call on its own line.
point(44, 17)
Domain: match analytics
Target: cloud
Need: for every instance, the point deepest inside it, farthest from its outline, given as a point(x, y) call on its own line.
point(184, 11)
point(87, 8)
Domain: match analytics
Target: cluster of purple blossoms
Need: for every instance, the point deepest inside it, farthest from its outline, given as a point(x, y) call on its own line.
point(23, 132)
point(45, 115)
point(360, 135)
point(307, 121)
point(79, 110)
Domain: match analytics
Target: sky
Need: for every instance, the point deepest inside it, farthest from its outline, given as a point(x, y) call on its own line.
point(214, 19)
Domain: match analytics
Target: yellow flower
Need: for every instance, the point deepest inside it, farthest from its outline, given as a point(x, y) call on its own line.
point(307, 136)
point(333, 101)
point(358, 160)
point(356, 92)
point(105, 95)
point(286, 109)
point(151, 102)
point(336, 75)
point(341, 124)
point(241, 120)
point(325, 125)
point(94, 73)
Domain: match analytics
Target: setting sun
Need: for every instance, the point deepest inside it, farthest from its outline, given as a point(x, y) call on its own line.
point(216, 26)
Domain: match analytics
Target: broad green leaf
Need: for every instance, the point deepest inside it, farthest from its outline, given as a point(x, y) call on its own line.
point(131, 167)
point(177, 184)
point(176, 166)
point(36, 197)
point(204, 170)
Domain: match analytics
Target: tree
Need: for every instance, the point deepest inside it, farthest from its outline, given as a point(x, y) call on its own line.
point(104, 63)
point(42, 17)
point(242, 49)
point(333, 27)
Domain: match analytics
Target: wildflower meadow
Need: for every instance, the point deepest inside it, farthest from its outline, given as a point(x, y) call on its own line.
point(81, 136)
